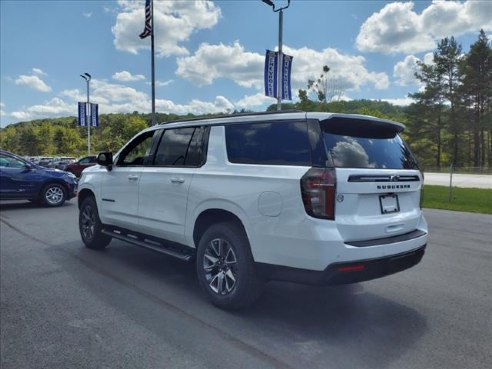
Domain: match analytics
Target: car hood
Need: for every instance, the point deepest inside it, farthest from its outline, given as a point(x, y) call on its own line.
point(52, 172)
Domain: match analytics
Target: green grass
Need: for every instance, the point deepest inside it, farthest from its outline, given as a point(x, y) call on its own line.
point(475, 200)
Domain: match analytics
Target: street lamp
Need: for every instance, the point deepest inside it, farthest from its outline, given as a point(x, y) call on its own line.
point(87, 78)
point(280, 26)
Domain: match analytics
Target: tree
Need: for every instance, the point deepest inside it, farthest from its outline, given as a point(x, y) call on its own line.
point(428, 110)
point(477, 87)
point(447, 58)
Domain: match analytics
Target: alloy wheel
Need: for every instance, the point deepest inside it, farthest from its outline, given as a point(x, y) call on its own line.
point(88, 222)
point(54, 195)
point(220, 266)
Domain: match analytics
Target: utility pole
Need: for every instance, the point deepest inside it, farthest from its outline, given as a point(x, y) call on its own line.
point(87, 78)
point(280, 55)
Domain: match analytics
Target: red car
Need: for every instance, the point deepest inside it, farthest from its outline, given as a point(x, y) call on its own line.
point(77, 167)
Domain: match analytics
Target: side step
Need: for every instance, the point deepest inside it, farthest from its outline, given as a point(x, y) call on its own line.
point(152, 243)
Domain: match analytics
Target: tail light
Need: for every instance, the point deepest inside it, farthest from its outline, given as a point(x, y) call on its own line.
point(422, 191)
point(318, 187)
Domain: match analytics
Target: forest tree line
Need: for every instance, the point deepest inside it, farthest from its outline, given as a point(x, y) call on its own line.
point(449, 123)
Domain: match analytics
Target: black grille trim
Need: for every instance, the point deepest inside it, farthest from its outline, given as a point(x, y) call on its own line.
point(383, 178)
point(387, 240)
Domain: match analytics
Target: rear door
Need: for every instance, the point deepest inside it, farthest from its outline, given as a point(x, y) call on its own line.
point(164, 185)
point(378, 180)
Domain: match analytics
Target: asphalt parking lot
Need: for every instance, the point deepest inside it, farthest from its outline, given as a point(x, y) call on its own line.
point(64, 306)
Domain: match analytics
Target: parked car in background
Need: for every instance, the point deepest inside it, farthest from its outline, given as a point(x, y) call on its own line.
point(45, 162)
point(22, 180)
point(63, 162)
point(77, 167)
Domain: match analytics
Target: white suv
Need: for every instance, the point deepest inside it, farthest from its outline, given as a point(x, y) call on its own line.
point(317, 198)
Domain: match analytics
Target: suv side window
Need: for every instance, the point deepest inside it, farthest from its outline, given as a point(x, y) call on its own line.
point(181, 147)
point(138, 151)
point(279, 143)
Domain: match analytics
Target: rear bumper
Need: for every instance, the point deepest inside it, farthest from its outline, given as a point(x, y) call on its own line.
point(346, 272)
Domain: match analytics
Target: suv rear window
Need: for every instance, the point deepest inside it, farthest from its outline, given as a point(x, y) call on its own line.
point(279, 143)
point(365, 144)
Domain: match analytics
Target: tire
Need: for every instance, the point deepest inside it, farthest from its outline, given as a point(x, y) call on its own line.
point(225, 267)
point(90, 226)
point(53, 195)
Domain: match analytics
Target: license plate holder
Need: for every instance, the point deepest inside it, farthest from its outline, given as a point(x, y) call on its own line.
point(389, 204)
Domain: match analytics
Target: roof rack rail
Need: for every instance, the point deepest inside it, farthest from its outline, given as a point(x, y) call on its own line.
point(221, 116)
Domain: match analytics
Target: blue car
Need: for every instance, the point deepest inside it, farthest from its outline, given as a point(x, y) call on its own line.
point(23, 180)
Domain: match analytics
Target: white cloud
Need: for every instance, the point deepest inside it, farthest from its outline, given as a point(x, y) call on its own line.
point(174, 23)
point(116, 98)
point(404, 101)
point(404, 71)
point(126, 76)
point(428, 58)
point(2, 112)
point(39, 72)
point(52, 108)
point(252, 101)
point(211, 62)
point(398, 28)
point(162, 83)
point(87, 15)
point(33, 82)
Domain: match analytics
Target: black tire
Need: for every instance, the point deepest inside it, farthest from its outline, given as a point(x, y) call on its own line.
point(90, 226)
point(53, 195)
point(225, 267)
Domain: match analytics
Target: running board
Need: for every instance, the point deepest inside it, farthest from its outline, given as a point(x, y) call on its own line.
point(153, 244)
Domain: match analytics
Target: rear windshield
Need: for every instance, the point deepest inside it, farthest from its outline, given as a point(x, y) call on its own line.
point(362, 144)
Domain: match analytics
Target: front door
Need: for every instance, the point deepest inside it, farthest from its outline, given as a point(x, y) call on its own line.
point(17, 178)
point(119, 191)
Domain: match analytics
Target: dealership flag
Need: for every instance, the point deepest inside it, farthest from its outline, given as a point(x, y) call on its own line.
point(148, 20)
point(271, 63)
point(285, 78)
point(82, 114)
point(94, 115)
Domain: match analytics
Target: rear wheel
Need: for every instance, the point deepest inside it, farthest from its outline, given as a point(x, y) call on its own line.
point(225, 267)
point(90, 226)
point(53, 194)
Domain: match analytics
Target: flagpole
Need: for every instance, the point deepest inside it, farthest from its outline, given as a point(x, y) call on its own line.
point(153, 64)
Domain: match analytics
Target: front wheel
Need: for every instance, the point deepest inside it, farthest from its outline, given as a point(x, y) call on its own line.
point(53, 194)
point(225, 267)
point(90, 226)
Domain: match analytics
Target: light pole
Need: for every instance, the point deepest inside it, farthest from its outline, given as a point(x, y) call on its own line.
point(280, 58)
point(87, 78)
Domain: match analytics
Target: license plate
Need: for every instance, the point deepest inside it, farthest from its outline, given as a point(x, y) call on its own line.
point(389, 204)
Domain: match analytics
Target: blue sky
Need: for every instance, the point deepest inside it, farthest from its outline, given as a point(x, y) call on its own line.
point(210, 54)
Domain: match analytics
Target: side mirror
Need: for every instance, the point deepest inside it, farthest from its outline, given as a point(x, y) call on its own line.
point(105, 159)
point(27, 167)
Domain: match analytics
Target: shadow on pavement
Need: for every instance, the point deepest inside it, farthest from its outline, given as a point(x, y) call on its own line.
point(26, 204)
point(301, 325)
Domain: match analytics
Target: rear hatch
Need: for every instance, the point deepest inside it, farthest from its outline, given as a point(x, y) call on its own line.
point(378, 182)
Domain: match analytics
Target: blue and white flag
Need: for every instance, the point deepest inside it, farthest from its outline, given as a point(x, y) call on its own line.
point(285, 78)
point(148, 20)
point(94, 115)
point(82, 114)
point(271, 64)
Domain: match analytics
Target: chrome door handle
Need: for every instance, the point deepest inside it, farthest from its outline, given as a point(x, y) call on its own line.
point(133, 178)
point(177, 180)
